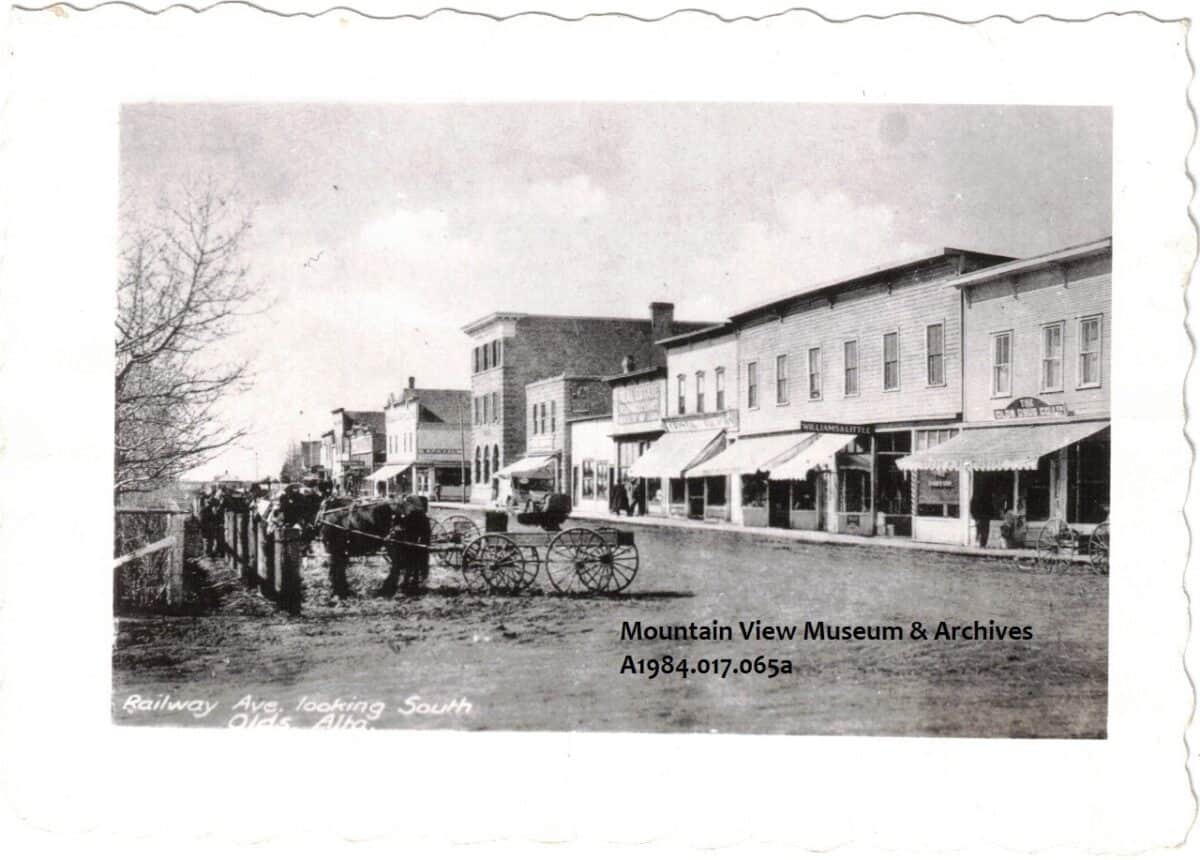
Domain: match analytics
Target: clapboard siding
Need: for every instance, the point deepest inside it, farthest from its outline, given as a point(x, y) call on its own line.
point(864, 314)
point(1023, 305)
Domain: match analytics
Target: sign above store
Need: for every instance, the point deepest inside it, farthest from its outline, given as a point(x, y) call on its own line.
point(1029, 407)
point(834, 427)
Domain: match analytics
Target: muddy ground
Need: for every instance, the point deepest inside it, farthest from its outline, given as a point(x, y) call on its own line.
point(544, 662)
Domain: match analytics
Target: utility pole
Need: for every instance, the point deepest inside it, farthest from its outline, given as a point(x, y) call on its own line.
point(462, 451)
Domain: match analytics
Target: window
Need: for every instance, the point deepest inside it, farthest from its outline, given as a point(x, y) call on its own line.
point(1089, 352)
point(541, 417)
point(553, 416)
point(781, 379)
point(850, 369)
point(589, 479)
point(814, 373)
point(495, 459)
point(720, 384)
point(714, 491)
point(475, 359)
point(681, 382)
point(478, 467)
point(495, 406)
point(496, 353)
point(533, 419)
point(754, 491)
point(699, 390)
point(891, 361)
point(1002, 364)
point(935, 354)
point(752, 385)
point(1052, 355)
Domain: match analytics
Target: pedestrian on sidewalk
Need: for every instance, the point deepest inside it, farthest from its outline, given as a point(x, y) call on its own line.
point(981, 513)
point(620, 499)
point(639, 497)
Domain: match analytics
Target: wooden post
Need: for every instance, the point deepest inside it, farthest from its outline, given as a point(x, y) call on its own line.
point(243, 537)
point(251, 550)
point(228, 547)
point(265, 560)
point(177, 528)
point(288, 547)
point(871, 488)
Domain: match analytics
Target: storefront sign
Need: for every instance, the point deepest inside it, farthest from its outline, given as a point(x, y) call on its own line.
point(726, 420)
point(833, 427)
point(939, 488)
point(637, 404)
point(1029, 407)
point(434, 451)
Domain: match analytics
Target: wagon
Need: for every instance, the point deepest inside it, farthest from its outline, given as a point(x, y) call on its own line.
point(577, 560)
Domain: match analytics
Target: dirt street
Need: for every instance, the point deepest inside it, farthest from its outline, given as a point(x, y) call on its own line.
point(538, 661)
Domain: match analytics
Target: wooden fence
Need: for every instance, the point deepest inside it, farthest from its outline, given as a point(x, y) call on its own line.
point(151, 545)
point(266, 560)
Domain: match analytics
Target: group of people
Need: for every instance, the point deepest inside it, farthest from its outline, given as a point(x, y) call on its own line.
point(627, 497)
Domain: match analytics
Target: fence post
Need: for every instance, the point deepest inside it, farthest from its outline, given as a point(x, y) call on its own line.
point(242, 522)
point(177, 528)
point(227, 537)
point(265, 559)
point(251, 550)
point(288, 547)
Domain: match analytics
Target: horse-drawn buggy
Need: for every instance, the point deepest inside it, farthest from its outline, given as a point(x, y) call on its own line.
point(575, 560)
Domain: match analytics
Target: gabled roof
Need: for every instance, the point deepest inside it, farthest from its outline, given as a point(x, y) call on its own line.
point(699, 334)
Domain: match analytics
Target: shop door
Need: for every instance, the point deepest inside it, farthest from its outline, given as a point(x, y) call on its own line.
point(778, 504)
point(695, 500)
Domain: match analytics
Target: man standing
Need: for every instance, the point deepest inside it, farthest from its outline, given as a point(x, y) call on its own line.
point(981, 513)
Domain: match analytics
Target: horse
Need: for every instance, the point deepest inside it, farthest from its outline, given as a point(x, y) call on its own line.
point(398, 527)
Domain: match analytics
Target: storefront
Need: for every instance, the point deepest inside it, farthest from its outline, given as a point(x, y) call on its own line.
point(664, 466)
point(391, 479)
point(802, 480)
point(529, 479)
point(1048, 470)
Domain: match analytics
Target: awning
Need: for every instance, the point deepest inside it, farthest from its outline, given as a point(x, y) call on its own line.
point(388, 470)
point(752, 454)
point(818, 452)
point(541, 466)
point(989, 449)
point(674, 452)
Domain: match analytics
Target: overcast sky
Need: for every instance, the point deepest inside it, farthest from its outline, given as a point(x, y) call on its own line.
point(424, 217)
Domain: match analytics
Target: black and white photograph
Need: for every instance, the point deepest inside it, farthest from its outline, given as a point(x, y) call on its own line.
point(639, 417)
point(638, 430)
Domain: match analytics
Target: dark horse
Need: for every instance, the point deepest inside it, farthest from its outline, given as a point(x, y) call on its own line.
point(398, 528)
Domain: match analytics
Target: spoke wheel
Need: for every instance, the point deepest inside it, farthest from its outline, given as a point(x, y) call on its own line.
point(1098, 549)
point(450, 536)
point(1050, 547)
point(569, 558)
point(612, 570)
point(493, 560)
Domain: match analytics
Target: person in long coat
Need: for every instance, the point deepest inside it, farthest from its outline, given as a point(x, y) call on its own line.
point(620, 499)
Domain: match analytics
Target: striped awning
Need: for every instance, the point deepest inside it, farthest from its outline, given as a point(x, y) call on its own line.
point(752, 454)
point(676, 451)
point(819, 452)
point(990, 449)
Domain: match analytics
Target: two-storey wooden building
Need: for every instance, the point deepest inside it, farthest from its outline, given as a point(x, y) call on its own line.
point(700, 413)
point(1036, 376)
point(836, 384)
point(426, 434)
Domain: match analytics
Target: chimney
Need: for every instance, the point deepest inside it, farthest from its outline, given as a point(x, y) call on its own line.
point(662, 319)
point(628, 364)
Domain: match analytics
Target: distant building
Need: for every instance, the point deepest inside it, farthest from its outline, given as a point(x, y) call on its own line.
point(426, 434)
point(511, 350)
point(310, 454)
point(353, 461)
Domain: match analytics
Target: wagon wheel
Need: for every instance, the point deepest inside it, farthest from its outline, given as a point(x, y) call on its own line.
point(613, 567)
point(568, 555)
point(449, 536)
point(493, 560)
point(1098, 549)
point(1050, 546)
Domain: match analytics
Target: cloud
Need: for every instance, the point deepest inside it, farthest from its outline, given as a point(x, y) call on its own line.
point(575, 197)
point(809, 238)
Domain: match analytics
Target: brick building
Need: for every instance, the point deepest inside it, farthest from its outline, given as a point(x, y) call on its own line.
point(1036, 392)
point(425, 434)
point(511, 350)
point(835, 383)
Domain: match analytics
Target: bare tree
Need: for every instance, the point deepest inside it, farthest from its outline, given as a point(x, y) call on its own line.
point(181, 287)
